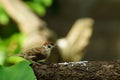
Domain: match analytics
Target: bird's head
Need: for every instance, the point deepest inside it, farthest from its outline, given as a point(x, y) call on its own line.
point(48, 45)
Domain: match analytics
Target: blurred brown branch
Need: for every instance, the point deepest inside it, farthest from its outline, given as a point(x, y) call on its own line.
point(29, 24)
point(92, 70)
point(24, 17)
point(73, 44)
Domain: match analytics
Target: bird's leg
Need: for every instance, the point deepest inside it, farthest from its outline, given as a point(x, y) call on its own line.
point(30, 59)
point(33, 62)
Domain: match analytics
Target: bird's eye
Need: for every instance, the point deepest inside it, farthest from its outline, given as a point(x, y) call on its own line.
point(49, 46)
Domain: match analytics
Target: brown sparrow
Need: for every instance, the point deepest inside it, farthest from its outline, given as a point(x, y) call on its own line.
point(39, 53)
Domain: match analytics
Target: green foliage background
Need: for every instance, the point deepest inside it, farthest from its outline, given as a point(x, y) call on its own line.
point(11, 40)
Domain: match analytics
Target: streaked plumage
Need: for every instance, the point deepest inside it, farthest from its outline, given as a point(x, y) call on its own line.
point(38, 53)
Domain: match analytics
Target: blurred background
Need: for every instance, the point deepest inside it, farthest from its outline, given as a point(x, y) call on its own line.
point(29, 18)
point(105, 41)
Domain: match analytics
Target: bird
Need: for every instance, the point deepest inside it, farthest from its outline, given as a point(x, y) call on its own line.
point(37, 54)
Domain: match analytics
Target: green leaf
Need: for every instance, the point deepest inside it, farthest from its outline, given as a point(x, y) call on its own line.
point(14, 60)
point(38, 8)
point(2, 57)
point(2, 45)
point(20, 71)
point(37, 1)
point(47, 2)
point(4, 18)
point(14, 43)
